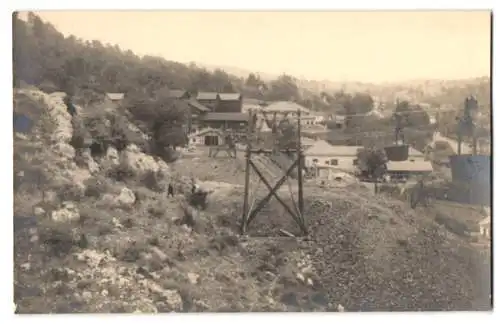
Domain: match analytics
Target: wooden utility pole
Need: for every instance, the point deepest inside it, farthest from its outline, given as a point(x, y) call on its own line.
point(300, 167)
point(244, 219)
point(248, 214)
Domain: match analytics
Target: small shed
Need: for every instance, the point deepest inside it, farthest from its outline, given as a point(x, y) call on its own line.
point(402, 170)
point(207, 137)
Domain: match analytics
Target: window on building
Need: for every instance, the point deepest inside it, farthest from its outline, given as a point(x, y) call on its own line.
point(315, 161)
point(355, 162)
point(334, 162)
point(327, 162)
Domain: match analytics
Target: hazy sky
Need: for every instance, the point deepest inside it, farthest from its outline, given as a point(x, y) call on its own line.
point(339, 46)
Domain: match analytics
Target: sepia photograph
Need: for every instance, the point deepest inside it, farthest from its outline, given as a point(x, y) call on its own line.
point(251, 161)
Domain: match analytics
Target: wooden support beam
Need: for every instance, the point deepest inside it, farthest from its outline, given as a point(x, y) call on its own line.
point(300, 164)
point(286, 233)
point(244, 218)
point(298, 210)
point(270, 194)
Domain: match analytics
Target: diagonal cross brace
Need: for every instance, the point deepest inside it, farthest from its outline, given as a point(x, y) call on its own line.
point(288, 209)
point(271, 193)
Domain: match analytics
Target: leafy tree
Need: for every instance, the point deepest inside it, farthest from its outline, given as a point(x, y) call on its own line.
point(163, 119)
point(253, 80)
point(287, 135)
point(372, 164)
point(357, 104)
point(412, 115)
point(361, 103)
point(284, 88)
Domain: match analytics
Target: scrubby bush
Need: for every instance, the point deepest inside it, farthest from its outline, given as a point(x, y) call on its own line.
point(121, 172)
point(152, 180)
point(70, 192)
point(96, 187)
point(121, 135)
point(80, 136)
point(198, 199)
point(162, 119)
point(60, 238)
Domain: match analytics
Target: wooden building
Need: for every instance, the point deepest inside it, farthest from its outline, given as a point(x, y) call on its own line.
point(404, 170)
point(229, 103)
point(208, 99)
point(340, 157)
point(221, 102)
point(235, 121)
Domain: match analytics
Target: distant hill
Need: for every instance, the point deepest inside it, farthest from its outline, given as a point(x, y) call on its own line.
point(238, 72)
point(415, 90)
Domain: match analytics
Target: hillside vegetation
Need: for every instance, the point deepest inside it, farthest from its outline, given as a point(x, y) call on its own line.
point(96, 232)
point(44, 57)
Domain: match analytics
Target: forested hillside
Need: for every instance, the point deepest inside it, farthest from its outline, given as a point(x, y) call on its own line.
point(45, 58)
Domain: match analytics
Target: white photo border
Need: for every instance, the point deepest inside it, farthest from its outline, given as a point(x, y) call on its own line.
point(6, 142)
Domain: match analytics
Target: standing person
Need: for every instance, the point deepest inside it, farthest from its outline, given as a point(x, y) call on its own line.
point(170, 190)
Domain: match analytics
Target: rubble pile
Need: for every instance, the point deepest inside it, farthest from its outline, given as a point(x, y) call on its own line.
point(377, 256)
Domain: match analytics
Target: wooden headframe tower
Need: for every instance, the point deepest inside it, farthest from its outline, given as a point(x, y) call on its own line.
point(296, 212)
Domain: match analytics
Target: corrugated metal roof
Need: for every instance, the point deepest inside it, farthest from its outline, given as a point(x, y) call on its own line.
point(115, 96)
point(323, 148)
point(206, 96)
point(229, 96)
point(195, 104)
point(285, 106)
point(211, 116)
point(417, 166)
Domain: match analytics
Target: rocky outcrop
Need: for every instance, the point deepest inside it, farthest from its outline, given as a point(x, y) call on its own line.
point(142, 163)
point(57, 111)
point(68, 213)
point(89, 162)
point(125, 198)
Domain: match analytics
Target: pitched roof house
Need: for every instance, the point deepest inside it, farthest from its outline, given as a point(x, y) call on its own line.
point(339, 156)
